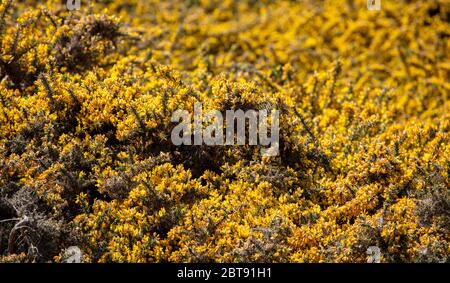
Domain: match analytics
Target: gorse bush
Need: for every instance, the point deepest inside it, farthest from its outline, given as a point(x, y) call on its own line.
point(86, 159)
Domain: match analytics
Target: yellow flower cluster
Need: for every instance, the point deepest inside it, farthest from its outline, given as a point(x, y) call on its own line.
point(86, 99)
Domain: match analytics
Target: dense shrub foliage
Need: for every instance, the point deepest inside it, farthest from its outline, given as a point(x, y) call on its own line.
point(86, 99)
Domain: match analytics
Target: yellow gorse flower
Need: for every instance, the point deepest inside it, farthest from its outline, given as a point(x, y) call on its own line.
point(86, 99)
